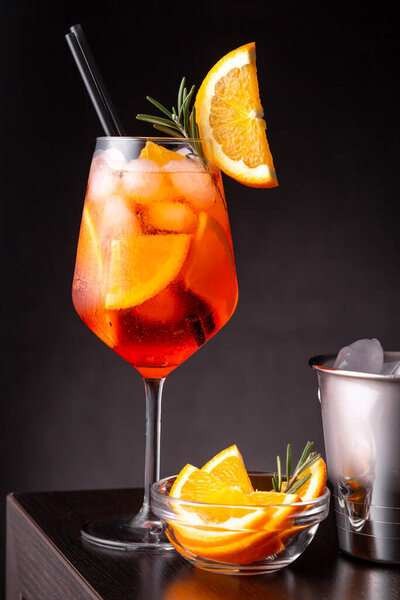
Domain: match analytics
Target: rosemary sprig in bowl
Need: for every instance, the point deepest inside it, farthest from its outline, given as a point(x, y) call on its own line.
point(293, 483)
point(180, 121)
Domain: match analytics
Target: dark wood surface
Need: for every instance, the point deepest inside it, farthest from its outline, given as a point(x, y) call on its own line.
point(46, 559)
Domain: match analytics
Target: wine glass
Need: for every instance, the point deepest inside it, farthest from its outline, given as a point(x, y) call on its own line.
point(154, 280)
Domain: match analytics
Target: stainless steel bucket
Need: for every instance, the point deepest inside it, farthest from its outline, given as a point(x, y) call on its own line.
point(361, 421)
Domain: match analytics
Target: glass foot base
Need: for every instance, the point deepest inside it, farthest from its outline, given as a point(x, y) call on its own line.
point(126, 533)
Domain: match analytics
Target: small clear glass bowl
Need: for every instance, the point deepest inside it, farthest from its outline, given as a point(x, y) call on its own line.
point(238, 540)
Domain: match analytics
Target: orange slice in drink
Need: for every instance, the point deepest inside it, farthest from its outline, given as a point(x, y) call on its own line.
point(89, 262)
point(159, 154)
point(88, 283)
point(230, 119)
point(228, 466)
point(210, 271)
point(143, 265)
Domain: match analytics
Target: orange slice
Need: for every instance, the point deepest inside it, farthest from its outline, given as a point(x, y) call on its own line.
point(196, 485)
point(315, 486)
point(89, 262)
point(159, 154)
point(228, 466)
point(230, 523)
point(210, 272)
point(230, 119)
point(241, 538)
point(311, 489)
point(239, 527)
point(252, 548)
point(143, 265)
point(88, 283)
point(278, 519)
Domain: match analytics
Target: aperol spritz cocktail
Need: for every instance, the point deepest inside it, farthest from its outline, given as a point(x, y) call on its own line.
point(155, 275)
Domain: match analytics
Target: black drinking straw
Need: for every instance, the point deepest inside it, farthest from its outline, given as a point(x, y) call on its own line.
point(93, 81)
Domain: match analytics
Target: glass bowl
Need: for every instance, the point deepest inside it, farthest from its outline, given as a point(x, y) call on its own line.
point(241, 540)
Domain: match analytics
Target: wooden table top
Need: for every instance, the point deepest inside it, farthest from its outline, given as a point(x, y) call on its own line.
point(47, 559)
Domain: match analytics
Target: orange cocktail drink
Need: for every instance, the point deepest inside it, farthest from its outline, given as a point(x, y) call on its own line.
point(154, 279)
point(155, 275)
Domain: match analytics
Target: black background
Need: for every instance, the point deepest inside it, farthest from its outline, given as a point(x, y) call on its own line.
point(317, 258)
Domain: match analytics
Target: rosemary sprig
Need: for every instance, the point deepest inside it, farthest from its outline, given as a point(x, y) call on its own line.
point(180, 121)
point(293, 483)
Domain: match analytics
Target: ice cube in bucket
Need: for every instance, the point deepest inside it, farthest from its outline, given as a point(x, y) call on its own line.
point(365, 356)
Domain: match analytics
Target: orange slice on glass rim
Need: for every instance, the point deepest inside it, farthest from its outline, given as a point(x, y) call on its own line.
point(230, 119)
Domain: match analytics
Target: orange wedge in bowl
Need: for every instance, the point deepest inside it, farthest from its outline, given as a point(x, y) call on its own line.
point(315, 485)
point(218, 498)
point(310, 490)
point(228, 466)
point(196, 486)
point(262, 538)
point(229, 115)
point(227, 524)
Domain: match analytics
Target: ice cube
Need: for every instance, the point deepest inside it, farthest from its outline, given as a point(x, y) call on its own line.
point(175, 217)
point(365, 356)
point(143, 181)
point(190, 180)
point(184, 151)
point(103, 181)
point(114, 158)
point(142, 165)
point(391, 368)
point(117, 220)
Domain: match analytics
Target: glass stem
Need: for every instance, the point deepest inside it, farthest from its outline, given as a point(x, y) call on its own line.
point(153, 389)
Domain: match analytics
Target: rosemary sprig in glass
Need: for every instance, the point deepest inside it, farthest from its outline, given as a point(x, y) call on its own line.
point(181, 121)
point(293, 483)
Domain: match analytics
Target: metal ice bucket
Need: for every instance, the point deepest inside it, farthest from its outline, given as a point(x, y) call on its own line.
point(361, 421)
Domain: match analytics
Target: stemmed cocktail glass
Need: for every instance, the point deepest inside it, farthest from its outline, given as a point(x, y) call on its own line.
point(154, 279)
